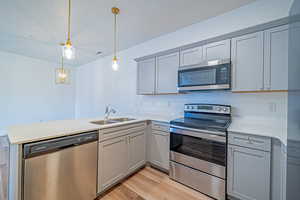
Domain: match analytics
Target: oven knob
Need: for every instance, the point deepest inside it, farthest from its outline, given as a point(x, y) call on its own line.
point(219, 109)
point(225, 109)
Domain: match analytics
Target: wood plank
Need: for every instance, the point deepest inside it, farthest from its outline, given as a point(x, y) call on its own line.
point(151, 184)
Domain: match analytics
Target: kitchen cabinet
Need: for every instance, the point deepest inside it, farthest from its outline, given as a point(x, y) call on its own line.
point(217, 50)
point(137, 150)
point(113, 162)
point(4, 166)
point(166, 73)
point(191, 56)
point(247, 62)
point(276, 58)
point(146, 76)
point(160, 146)
point(122, 150)
point(249, 168)
point(260, 61)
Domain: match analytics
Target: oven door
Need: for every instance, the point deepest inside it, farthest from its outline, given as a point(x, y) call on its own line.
point(199, 150)
point(205, 77)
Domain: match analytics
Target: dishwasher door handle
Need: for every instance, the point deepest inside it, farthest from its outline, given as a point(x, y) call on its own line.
point(39, 148)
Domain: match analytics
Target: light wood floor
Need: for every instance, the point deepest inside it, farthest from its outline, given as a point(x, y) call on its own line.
point(151, 184)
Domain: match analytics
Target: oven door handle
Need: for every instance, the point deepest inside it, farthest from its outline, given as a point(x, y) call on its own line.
point(209, 135)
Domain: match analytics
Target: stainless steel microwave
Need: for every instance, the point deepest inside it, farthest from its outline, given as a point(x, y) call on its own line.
point(211, 75)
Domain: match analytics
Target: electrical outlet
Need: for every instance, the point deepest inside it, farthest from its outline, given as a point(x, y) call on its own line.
point(272, 107)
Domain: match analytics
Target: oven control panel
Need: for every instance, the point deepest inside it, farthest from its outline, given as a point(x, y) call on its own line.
point(208, 108)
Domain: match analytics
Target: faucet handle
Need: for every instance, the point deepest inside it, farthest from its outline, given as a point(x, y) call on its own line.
point(107, 108)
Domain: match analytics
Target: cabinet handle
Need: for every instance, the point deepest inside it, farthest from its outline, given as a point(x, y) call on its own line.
point(250, 141)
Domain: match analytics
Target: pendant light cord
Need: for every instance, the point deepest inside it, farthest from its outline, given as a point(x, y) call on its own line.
point(115, 36)
point(62, 63)
point(69, 21)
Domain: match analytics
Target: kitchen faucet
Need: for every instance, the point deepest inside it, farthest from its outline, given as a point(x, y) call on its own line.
point(108, 111)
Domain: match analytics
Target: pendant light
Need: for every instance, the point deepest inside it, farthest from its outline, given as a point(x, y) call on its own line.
point(115, 65)
point(62, 74)
point(67, 48)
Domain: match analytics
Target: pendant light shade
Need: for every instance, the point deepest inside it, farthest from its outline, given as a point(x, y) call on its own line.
point(67, 48)
point(68, 51)
point(62, 75)
point(115, 64)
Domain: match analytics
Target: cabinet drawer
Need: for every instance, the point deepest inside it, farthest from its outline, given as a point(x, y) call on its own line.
point(250, 141)
point(160, 126)
point(114, 132)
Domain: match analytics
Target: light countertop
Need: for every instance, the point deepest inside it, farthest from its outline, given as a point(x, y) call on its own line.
point(46, 130)
point(21, 134)
point(260, 127)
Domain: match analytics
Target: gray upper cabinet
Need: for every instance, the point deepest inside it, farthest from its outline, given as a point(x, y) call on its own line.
point(276, 58)
point(191, 56)
point(248, 173)
point(146, 76)
point(166, 73)
point(217, 50)
point(247, 62)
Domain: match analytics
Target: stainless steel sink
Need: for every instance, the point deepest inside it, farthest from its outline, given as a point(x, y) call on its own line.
point(103, 122)
point(123, 119)
point(111, 121)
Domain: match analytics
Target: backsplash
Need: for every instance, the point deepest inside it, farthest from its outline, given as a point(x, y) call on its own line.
point(252, 105)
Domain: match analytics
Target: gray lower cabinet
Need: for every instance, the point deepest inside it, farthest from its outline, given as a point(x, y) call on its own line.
point(121, 155)
point(137, 150)
point(247, 62)
point(113, 162)
point(249, 171)
point(166, 73)
point(4, 167)
point(146, 76)
point(160, 146)
point(217, 50)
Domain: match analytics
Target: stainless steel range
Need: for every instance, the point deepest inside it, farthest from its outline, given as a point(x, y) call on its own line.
point(198, 148)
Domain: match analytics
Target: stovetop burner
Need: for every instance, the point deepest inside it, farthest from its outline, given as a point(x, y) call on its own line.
point(206, 124)
point(205, 117)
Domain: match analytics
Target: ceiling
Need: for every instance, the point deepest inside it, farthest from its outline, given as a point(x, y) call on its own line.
point(35, 28)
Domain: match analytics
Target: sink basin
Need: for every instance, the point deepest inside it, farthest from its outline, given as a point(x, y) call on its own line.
point(111, 121)
point(103, 122)
point(123, 119)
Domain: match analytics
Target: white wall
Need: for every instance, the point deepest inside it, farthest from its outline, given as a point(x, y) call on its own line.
point(98, 85)
point(28, 92)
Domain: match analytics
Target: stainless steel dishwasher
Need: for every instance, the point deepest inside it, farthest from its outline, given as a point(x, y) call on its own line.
point(61, 169)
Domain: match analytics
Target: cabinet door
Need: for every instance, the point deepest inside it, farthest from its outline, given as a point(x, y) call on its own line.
point(137, 150)
point(160, 148)
point(191, 56)
point(146, 76)
point(276, 58)
point(247, 62)
point(113, 162)
point(4, 167)
point(248, 173)
point(217, 50)
point(166, 73)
